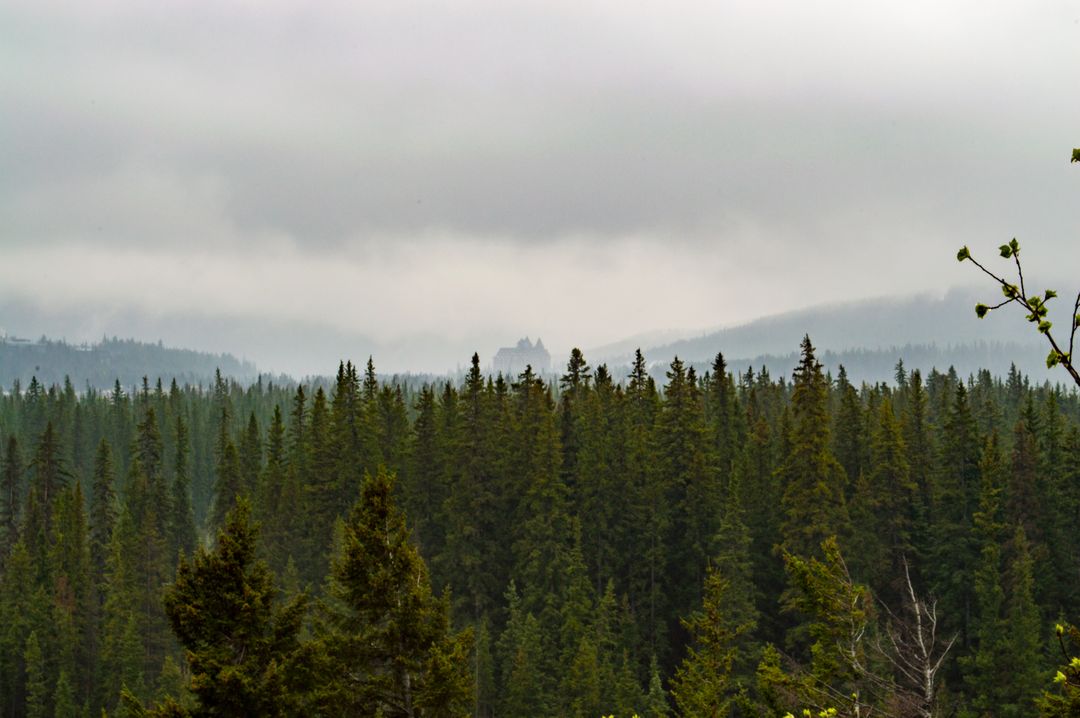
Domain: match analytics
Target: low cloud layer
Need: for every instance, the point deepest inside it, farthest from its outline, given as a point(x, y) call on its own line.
point(448, 172)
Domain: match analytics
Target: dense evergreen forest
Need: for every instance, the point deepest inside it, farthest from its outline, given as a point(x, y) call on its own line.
point(712, 544)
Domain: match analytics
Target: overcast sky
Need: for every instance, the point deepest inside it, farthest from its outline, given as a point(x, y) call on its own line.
point(428, 177)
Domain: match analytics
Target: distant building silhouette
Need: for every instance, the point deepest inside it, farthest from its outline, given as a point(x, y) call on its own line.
point(511, 361)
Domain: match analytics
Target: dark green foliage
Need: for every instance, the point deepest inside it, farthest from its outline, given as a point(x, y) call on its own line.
point(813, 503)
point(385, 647)
point(36, 685)
point(605, 500)
point(241, 647)
point(10, 493)
point(181, 521)
point(704, 684)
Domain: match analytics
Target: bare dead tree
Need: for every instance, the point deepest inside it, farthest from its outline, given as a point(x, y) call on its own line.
point(913, 647)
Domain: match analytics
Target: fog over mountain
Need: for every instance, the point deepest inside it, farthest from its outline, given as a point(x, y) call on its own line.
point(296, 182)
point(868, 336)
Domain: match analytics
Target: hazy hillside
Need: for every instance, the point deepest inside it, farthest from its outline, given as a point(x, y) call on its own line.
point(869, 337)
point(876, 365)
point(101, 364)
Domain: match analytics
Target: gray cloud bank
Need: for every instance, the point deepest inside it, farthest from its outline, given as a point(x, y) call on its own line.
point(414, 172)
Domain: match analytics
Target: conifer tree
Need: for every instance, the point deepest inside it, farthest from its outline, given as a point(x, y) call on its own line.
point(647, 579)
point(838, 613)
point(813, 499)
point(423, 489)
point(955, 553)
point(230, 486)
point(473, 543)
point(386, 638)
point(573, 387)
point(850, 440)
point(348, 423)
point(691, 486)
point(521, 657)
point(50, 475)
point(121, 649)
point(268, 502)
point(75, 600)
point(883, 507)
point(656, 702)
point(102, 507)
point(37, 691)
point(242, 649)
point(733, 563)
point(704, 685)
point(1022, 632)
point(250, 455)
point(722, 416)
point(988, 669)
point(10, 492)
point(64, 698)
point(181, 523)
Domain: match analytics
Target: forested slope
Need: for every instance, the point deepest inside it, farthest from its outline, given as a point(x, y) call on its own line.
point(100, 365)
point(717, 544)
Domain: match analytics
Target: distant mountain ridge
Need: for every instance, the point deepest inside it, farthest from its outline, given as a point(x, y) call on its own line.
point(868, 337)
point(101, 364)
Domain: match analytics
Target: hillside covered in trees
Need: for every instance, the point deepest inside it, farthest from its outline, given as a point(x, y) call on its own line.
point(712, 544)
point(102, 364)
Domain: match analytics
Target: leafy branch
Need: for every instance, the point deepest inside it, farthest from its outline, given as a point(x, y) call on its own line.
point(1035, 305)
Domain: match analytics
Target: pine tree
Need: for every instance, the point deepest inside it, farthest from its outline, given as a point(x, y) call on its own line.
point(522, 657)
point(954, 553)
point(704, 685)
point(386, 638)
point(181, 521)
point(36, 687)
point(50, 475)
point(10, 492)
point(485, 687)
point(813, 499)
point(102, 507)
point(474, 558)
point(242, 649)
point(543, 528)
point(883, 507)
point(989, 668)
point(64, 698)
point(322, 502)
point(75, 600)
point(650, 507)
point(722, 416)
point(850, 442)
point(837, 613)
point(656, 702)
point(691, 487)
point(121, 647)
point(230, 486)
point(423, 489)
point(250, 456)
point(573, 388)
point(733, 562)
point(269, 508)
point(1022, 632)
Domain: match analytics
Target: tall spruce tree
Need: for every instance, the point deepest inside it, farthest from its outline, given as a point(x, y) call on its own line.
point(181, 519)
point(10, 493)
point(242, 649)
point(813, 499)
point(385, 638)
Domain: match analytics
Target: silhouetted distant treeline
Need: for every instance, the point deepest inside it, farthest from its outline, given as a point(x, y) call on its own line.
point(880, 365)
point(101, 365)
